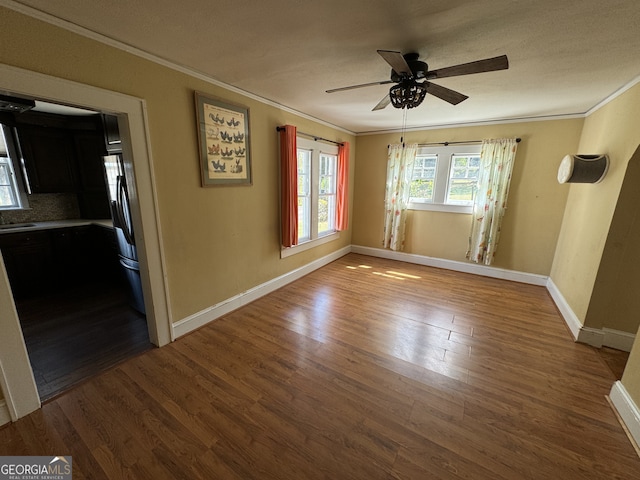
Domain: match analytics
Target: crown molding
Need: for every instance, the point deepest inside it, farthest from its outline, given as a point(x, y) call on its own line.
point(74, 28)
point(546, 118)
point(98, 37)
point(613, 96)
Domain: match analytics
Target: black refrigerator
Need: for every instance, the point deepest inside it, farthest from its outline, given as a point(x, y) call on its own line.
point(123, 227)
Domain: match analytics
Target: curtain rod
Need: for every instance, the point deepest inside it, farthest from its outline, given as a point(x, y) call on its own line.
point(466, 142)
point(315, 137)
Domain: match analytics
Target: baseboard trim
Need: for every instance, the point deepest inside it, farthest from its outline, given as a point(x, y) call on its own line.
point(627, 410)
point(570, 318)
point(197, 320)
point(618, 339)
point(5, 417)
point(604, 337)
point(464, 267)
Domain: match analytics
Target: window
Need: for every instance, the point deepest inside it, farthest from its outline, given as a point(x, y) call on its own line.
point(444, 178)
point(304, 195)
point(12, 195)
point(424, 175)
point(463, 177)
point(317, 166)
point(327, 194)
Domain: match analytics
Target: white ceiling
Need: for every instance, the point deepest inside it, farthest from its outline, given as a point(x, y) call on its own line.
point(565, 56)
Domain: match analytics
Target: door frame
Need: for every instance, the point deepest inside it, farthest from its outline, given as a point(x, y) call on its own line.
point(16, 376)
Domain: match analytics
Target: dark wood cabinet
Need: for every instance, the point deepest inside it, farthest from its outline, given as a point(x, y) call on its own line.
point(105, 256)
point(93, 197)
point(72, 253)
point(28, 258)
point(63, 154)
point(112, 139)
point(50, 159)
point(43, 261)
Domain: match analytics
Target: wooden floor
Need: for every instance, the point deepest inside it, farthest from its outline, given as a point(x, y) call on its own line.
point(616, 360)
point(76, 333)
point(365, 369)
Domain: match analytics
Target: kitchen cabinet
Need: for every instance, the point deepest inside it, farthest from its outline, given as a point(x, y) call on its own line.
point(44, 261)
point(105, 257)
point(93, 197)
point(72, 249)
point(50, 159)
point(112, 139)
point(63, 154)
point(28, 259)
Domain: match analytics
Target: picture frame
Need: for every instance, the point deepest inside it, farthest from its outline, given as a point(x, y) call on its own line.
point(224, 142)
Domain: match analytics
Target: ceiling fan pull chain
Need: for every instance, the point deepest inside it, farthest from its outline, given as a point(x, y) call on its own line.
point(404, 125)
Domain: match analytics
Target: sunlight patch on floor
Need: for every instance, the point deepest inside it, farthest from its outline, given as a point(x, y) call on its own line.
point(400, 274)
point(386, 275)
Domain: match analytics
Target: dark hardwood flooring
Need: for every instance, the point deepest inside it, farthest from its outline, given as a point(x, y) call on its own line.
point(74, 334)
point(364, 369)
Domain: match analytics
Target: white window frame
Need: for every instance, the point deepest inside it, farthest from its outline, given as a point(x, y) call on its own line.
point(441, 184)
point(316, 149)
point(330, 193)
point(9, 157)
point(305, 195)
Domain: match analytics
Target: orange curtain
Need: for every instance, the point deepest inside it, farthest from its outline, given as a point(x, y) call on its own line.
point(289, 185)
point(342, 215)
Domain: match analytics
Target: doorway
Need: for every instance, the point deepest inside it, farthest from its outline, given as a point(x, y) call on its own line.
point(17, 378)
point(66, 247)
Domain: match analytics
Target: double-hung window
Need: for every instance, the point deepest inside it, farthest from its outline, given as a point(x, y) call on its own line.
point(304, 194)
point(444, 178)
point(12, 195)
point(327, 193)
point(317, 187)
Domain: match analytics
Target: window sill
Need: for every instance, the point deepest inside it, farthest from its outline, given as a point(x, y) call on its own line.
point(289, 251)
point(440, 207)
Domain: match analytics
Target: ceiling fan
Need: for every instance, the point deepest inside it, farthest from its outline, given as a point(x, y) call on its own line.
point(407, 70)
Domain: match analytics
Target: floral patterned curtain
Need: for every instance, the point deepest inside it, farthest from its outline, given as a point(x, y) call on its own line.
point(399, 171)
point(496, 164)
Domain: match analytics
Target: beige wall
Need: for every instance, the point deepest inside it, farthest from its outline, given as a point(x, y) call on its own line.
point(615, 302)
point(631, 376)
point(596, 263)
point(613, 130)
point(218, 242)
point(536, 200)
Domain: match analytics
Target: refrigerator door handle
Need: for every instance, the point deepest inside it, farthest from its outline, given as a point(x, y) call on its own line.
point(122, 200)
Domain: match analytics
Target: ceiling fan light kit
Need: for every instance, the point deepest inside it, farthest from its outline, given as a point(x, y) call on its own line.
point(407, 95)
point(406, 70)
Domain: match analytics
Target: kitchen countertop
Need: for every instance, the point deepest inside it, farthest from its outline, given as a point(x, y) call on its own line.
point(33, 226)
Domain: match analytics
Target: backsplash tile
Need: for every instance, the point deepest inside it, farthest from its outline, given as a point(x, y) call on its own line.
point(45, 207)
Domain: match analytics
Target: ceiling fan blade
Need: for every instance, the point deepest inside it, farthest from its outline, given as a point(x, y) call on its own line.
point(352, 87)
point(479, 66)
point(386, 100)
point(445, 94)
point(397, 61)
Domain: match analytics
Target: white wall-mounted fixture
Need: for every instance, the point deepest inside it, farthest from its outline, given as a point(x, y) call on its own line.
point(583, 168)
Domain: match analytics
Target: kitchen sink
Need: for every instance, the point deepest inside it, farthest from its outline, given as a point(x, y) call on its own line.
point(16, 225)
